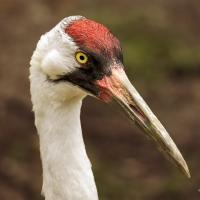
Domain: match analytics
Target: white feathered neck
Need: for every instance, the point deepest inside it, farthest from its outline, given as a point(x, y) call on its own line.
point(67, 173)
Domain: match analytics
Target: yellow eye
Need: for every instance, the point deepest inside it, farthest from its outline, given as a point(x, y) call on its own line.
point(81, 58)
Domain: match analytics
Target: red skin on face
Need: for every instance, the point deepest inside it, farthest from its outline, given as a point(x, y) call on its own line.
point(105, 93)
point(105, 96)
point(92, 35)
point(110, 86)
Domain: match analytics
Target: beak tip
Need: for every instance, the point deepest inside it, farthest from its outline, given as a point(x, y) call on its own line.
point(187, 171)
point(182, 165)
point(188, 175)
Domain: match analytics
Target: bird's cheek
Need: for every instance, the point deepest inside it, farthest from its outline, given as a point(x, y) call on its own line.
point(54, 64)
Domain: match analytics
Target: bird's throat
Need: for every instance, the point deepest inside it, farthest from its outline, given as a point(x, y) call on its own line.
point(67, 170)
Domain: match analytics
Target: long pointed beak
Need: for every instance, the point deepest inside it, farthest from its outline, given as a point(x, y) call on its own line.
point(119, 87)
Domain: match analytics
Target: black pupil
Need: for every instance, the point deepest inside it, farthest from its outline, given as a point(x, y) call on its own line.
point(82, 58)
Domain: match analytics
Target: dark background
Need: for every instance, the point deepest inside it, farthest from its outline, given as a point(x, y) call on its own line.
point(161, 44)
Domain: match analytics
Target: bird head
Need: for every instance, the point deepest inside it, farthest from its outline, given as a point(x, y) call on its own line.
point(79, 57)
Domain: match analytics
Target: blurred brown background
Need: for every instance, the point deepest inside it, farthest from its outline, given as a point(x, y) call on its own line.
point(161, 43)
